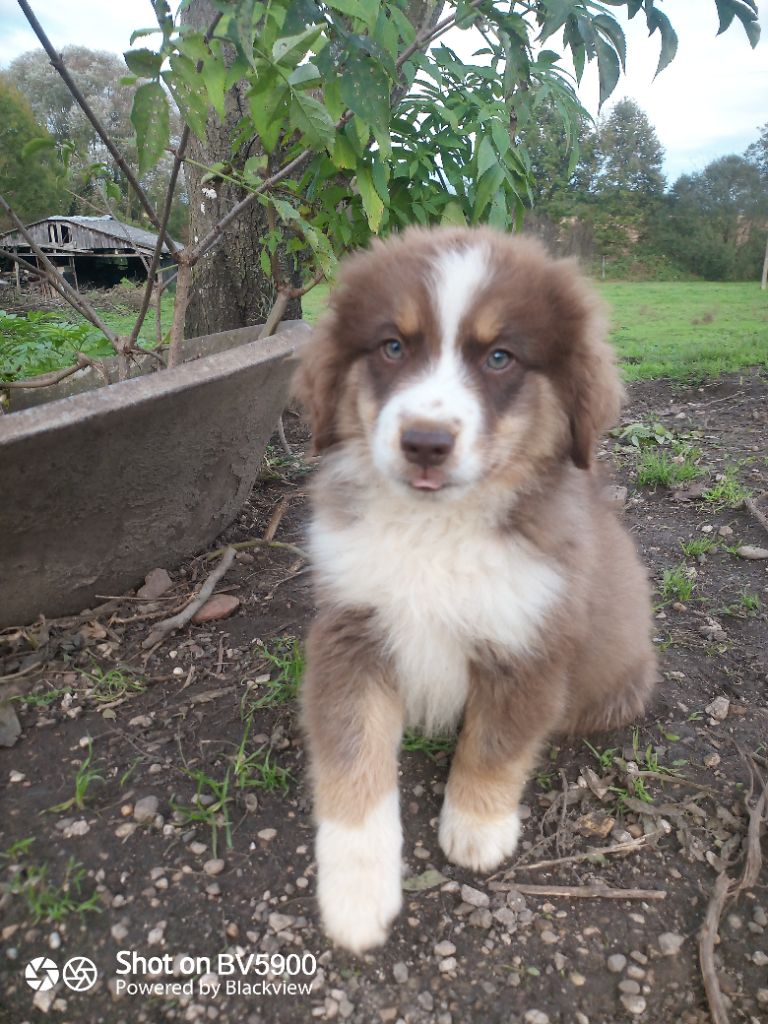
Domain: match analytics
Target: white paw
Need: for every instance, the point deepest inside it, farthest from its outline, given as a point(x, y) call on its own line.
point(359, 877)
point(477, 843)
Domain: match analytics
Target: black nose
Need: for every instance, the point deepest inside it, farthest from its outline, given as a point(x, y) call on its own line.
point(426, 447)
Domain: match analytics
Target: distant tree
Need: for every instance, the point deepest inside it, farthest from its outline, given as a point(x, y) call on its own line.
point(757, 152)
point(629, 152)
point(31, 183)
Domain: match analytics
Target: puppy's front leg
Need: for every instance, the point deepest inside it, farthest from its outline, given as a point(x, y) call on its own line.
point(507, 717)
point(353, 720)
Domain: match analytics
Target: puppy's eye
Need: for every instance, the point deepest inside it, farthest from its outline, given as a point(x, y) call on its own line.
point(393, 350)
point(499, 359)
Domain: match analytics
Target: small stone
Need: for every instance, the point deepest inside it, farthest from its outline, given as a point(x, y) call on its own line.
point(760, 917)
point(718, 708)
point(636, 972)
point(198, 848)
point(616, 963)
point(629, 986)
point(449, 964)
point(725, 531)
point(595, 824)
point(760, 959)
point(54, 940)
point(474, 897)
point(119, 932)
point(581, 1018)
point(156, 583)
point(426, 1001)
point(752, 552)
point(445, 948)
point(145, 809)
point(400, 973)
point(762, 996)
point(536, 1017)
point(633, 1004)
point(481, 918)
point(577, 979)
point(267, 834)
point(125, 830)
point(16, 776)
point(155, 936)
point(638, 957)
point(214, 889)
point(712, 760)
point(669, 943)
point(214, 866)
point(221, 606)
point(279, 922)
point(507, 918)
point(548, 937)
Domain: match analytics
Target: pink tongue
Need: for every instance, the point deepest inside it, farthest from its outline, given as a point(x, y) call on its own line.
point(423, 483)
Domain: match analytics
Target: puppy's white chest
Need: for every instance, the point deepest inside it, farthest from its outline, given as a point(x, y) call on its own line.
point(441, 583)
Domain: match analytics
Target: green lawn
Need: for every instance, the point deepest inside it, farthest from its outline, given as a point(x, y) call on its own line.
point(685, 330)
point(682, 330)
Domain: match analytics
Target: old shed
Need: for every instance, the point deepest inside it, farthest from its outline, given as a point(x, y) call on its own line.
point(93, 252)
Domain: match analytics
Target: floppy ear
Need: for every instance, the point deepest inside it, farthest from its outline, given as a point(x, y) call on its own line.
point(316, 385)
point(596, 391)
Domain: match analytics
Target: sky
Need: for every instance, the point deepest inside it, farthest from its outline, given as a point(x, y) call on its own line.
point(711, 101)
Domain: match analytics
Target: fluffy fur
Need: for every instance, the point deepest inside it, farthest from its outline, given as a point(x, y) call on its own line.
point(468, 571)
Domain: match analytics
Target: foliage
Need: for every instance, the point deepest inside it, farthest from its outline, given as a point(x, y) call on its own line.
point(31, 184)
point(48, 902)
point(383, 128)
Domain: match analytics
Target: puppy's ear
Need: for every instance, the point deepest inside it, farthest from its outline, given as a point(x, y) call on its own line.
point(316, 386)
point(596, 396)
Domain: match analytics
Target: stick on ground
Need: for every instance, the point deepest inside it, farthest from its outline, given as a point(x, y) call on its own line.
point(707, 939)
point(590, 892)
point(162, 629)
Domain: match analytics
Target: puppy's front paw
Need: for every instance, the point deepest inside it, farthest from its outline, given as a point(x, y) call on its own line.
point(477, 843)
point(359, 877)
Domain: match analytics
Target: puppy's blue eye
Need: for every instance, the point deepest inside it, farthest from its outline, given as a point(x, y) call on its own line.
point(393, 349)
point(499, 359)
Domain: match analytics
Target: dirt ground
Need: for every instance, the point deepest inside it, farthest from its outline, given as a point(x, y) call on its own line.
point(212, 712)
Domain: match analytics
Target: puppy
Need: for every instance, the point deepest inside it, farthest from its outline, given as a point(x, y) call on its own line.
point(467, 567)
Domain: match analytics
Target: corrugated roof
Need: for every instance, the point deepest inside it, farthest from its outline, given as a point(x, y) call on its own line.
point(106, 225)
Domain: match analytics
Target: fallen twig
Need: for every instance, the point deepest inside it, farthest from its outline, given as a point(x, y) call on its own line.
point(162, 629)
point(758, 814)
point(601, 851)
point(259, 542)
point(276, 518)
point(750, 504)
point(707, 939)
point(590, 892)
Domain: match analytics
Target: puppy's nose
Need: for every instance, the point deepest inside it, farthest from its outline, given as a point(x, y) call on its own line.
point(426, 447)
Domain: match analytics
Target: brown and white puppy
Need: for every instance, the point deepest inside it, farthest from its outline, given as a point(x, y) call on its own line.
point(467, 568)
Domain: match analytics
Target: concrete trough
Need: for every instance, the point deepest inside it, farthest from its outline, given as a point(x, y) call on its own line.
point(100, 487)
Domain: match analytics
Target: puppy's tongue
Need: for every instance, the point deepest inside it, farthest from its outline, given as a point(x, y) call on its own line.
point(427, 482)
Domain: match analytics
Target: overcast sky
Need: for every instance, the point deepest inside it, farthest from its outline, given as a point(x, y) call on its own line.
point(710, 101)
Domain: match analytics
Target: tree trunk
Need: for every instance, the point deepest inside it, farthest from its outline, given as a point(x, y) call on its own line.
point(229, 288)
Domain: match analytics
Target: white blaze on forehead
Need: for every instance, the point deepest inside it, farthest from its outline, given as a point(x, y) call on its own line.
point(457, 276)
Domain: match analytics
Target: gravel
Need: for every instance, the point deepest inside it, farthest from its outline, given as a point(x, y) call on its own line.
point(616, 963)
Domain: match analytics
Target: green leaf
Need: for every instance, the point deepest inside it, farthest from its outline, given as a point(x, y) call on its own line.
point(304, 74)
point(486, 156)
point(243, 29)
point(364, 88)
point(214, 74)
point(380, 176)
point(144, 62)
point(611, 28)
point(366, 11)
point(291, 49)
point(35, 145)
point(141, 32)
point(658, 21)
point(487, 187)
point(500, 135)
point(343, 153)
point(312, 119)
point(608, 67)
point(453, 214)
point(372, 202)
point(426, 880)
point(151, 119)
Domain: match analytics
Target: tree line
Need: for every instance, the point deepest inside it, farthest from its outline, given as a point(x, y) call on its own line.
point(607, 201)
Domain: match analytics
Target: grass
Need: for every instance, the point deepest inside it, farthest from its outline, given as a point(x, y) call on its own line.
point(210, 805)
point(432, 746)
point(659, 468)
point(726, 493)
point(112, 684)
point(258, 770)
point(677, 584)
point(687, 330)
point(698, 546)
point(84, 779)
point(45, 900)
point(287, 661)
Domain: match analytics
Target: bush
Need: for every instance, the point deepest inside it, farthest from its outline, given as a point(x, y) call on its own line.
point(41, 342)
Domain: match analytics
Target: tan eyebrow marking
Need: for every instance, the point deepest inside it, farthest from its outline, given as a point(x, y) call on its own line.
point(486, 324)
point(407, 319)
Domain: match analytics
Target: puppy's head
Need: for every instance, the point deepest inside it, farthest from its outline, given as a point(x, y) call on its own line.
point(459, 356)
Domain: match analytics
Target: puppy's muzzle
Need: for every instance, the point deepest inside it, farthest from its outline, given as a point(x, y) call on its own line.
point(426, 447)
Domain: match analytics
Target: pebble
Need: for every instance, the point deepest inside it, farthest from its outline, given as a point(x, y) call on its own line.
point(760, 917)
point(633, 1004)
point(762, 996)
point(267, 834)
point(536, 1017)
point(750, 551)
point(718, 708)
point(445, 948)
point(16, 776)
point(145, 809)
point(449, 964)
point(633, 971)
point(221, 606)
point(548, 937)
point(156, 583)
point(629, 987)
point(577, 979)
point(669, 943)
point(279, 922)
point(214, 866)
point(616, 963)
point(474, 897)
point(481, 918)
point(760, 959)
point(54, 940)
point(198, 849)
point(119, 932)
point(712, 760)
point(400, 973)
